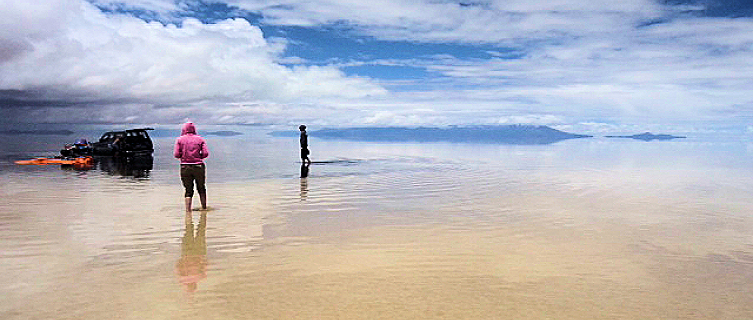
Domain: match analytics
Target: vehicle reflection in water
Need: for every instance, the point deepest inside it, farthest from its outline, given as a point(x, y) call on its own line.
point(192, 265)
point(136, 166)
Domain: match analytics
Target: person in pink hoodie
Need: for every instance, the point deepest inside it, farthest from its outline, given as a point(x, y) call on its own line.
point(191, 149)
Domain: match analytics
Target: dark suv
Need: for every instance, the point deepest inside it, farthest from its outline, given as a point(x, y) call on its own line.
point(134, 142)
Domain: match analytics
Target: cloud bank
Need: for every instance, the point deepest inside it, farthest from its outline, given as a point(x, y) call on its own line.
point(555, 62)
point(71, 52)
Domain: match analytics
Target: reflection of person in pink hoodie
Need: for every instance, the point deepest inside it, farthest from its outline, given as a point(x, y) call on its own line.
point(192, 266)
point(191, 148)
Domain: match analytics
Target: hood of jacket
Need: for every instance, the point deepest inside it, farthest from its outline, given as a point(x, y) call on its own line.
point(188, 128)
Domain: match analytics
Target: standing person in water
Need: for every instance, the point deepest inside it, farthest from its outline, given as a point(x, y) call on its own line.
point(191, 149)
point(304, 145)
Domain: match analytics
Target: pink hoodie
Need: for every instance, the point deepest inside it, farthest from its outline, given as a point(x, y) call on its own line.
point(190, 148)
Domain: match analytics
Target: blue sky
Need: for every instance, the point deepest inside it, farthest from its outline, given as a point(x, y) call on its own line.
point(585, 65)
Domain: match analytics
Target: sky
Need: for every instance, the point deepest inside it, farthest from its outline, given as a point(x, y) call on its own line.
point(585, 65)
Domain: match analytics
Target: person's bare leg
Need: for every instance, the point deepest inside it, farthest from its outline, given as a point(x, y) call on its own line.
point(203, 199)
point(188, 203)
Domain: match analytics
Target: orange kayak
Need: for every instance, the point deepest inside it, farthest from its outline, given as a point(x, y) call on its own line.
point(83, 161)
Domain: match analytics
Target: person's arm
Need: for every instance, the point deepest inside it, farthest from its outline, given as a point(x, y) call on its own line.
point(204, 150)
point(178, 152)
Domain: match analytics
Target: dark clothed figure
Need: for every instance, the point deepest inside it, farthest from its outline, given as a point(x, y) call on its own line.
point(304, 145)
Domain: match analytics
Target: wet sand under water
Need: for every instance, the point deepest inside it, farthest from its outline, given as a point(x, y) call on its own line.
point(277, 250)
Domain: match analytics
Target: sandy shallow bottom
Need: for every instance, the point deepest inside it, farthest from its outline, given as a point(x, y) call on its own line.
point(284, 249)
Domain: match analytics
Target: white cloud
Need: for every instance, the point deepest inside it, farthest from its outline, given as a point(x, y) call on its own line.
point(74, 51)
point(163, 6)
point(440, 21)
point(584, 58)
point(668, 71)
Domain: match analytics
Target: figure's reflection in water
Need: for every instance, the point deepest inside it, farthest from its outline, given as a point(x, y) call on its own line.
point(192, 265)
point(304, 181)
point(304, 170)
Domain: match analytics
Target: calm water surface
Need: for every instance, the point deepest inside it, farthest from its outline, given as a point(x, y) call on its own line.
point(581, 229)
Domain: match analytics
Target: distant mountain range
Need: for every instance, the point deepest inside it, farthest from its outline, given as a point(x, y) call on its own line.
point(504, 134)
point(164, 133)
point(37, 132)
point(223, 133)
point(648, 136)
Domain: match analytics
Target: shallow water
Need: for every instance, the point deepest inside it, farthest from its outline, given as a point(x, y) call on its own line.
point(590, 228)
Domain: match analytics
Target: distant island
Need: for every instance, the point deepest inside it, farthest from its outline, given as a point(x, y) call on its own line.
point(503, 134)
point(38, 132)
point(648, 136)
point(223, 133)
